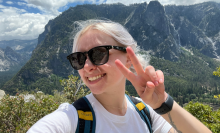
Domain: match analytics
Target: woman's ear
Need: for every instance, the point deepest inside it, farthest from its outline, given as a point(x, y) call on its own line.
point(128, 62)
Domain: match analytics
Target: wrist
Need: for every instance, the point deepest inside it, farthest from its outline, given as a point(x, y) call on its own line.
point(166, 106)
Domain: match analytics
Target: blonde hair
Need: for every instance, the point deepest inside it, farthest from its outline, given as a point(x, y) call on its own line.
point(115, 30)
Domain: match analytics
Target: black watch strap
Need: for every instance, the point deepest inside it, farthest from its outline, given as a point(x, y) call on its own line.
point(166, 106)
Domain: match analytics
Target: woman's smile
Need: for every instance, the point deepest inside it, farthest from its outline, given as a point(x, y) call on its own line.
point(95, 79)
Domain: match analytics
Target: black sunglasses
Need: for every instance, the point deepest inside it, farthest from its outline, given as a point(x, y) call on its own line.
point(97, 55)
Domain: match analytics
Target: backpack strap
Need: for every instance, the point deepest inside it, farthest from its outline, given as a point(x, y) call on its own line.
point(86, 116)
point(142, 110)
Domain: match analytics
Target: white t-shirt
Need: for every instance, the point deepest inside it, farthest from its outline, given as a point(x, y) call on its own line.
point(65, 119)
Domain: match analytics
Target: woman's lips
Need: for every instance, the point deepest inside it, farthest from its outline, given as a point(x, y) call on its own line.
point(95, 79)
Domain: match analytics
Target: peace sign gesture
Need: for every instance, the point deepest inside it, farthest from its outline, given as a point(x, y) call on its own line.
point(148, 83)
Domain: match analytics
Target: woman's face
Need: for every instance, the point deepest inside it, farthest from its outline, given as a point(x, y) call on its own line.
point(102, 78)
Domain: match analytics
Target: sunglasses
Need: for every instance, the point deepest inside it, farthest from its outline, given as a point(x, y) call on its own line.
point(97, 55)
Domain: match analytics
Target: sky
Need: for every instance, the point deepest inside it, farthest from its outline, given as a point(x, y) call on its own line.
point(26, 19)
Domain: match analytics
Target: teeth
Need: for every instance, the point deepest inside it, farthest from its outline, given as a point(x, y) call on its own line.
point(94, 78)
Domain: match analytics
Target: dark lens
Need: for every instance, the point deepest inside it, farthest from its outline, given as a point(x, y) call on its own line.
point(98, 55)
point(77, 60)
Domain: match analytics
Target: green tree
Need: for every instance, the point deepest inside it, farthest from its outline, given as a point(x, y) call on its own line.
point(19, 113)
point(74, 88)
point(206, 115)
point(217, 72)
point(217, 97)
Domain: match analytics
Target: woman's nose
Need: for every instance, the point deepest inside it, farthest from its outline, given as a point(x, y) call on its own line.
point(89, 66)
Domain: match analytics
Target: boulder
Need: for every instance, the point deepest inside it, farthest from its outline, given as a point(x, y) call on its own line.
point(2, 93)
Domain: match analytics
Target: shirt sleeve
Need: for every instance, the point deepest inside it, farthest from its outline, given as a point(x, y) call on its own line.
point(159, 124)
point(62, 120)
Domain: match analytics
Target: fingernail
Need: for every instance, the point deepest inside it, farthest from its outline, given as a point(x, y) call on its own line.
point(156, 83)
point(161, 80)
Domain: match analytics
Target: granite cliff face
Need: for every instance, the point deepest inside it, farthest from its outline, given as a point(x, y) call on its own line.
point(9, 59)
point(165, 32)
point(198, 26)
point(152, 29)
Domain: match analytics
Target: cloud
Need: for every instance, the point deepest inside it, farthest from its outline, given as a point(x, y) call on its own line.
point(9, 2)
point(52, 6)
point(18, 24)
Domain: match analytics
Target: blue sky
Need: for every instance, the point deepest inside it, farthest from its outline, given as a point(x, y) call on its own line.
point(26, 19)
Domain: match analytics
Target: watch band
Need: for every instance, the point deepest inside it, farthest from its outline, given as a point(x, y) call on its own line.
point(165, 107)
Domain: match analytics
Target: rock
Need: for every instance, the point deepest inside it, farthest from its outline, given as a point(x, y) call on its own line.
point(2, 93)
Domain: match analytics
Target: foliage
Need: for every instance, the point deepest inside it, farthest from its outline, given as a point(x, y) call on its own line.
point(74, 88)
point(18, 114)
point(217, 97)
point(206, 115)
point(193, 80)
point(217, 72)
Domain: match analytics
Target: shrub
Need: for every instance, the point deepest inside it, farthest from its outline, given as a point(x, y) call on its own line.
point(206, 115)
point(18, 115)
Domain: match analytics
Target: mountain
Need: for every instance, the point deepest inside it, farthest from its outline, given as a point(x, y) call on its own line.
point(10, 63)
point(176, 37)
point(150, 25)
point(23, 47)
point(10, 59)
point(13, 55)
point(198, 26)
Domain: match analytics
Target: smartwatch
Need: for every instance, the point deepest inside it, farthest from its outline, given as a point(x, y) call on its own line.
point(165, 107)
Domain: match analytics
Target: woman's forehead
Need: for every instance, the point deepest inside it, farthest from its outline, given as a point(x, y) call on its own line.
point(93, 38)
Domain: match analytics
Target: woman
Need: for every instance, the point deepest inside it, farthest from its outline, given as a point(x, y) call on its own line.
point(103, 64)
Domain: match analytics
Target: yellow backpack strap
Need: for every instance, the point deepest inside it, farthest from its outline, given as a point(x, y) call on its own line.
point(86, 116)
point(142, 110)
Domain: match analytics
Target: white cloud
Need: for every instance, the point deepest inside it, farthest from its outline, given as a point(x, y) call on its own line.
point(18, 24)
point(21, 3)
point(9, 2)
point(52, 6)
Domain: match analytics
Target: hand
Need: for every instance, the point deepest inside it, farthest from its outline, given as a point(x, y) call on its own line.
point(148, 83)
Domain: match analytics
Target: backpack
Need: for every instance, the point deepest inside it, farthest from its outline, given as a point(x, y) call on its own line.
point(87, 120)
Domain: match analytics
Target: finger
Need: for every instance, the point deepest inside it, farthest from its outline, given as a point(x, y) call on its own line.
point(160, 76)
point(150, 71)
point(148, 93)
point(137, 65)
point(125, 71)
